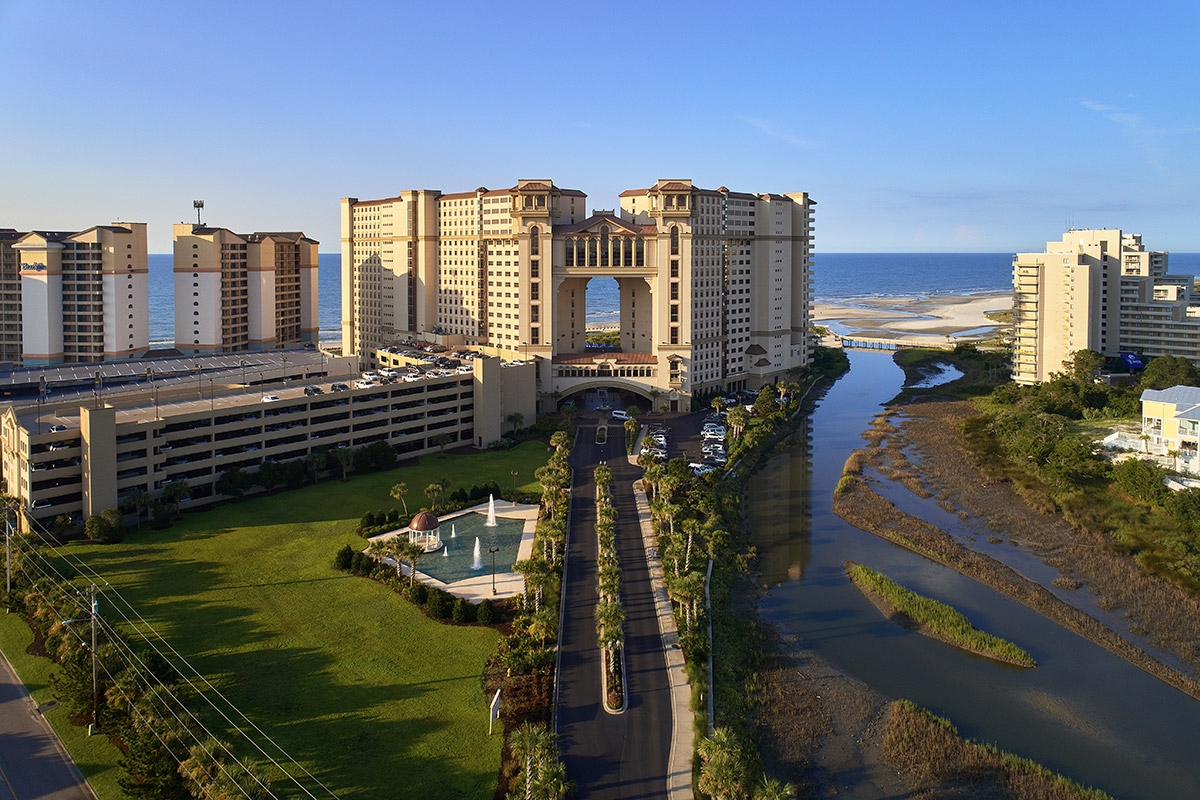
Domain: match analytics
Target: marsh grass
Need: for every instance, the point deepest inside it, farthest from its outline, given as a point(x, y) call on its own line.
point(942, 621)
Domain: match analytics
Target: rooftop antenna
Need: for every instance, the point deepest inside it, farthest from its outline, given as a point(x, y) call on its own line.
point(198, 205)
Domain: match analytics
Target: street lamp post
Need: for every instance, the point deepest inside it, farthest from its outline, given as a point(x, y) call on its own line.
point(242, 362)
point(515, 474)
point(493, 551)
point(212, 397)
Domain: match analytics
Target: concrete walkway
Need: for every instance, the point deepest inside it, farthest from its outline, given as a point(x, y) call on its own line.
point(679, 765)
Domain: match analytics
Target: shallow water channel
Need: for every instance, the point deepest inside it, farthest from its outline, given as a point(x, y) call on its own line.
point(1083, 711)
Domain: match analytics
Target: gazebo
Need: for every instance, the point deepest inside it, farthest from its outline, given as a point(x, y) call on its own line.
point(425, 530)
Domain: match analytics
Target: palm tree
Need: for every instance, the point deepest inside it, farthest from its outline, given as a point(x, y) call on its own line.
point(608, 579)
point(690, 527)
point(782, 389)
point(1145, 442)
point(398, 492)
point(771, 789)
point(390, 548)
point(718, 403)
point(569, 411)
point(738, 419)
point(441, 440)
point(515, 419)
point(1174, 454)
point(722, 774)
point(631, 431)
point(138, 501)
point(533, 745)
point(543, 625)
point(654, 395)
point(343, 456)
point(610, 616)
point(559, 439)
point(432, 491)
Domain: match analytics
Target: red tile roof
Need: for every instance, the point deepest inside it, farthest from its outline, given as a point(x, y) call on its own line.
point(596, 358)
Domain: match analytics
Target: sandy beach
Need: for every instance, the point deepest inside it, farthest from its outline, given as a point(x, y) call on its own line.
point(913, 319)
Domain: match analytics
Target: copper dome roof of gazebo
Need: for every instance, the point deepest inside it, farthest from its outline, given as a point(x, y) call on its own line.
point(424, 521)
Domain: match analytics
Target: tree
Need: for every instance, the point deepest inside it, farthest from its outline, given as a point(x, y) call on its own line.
point(654, 395)
point(718, 403)
point(433, 491)
point(738, 419)
point(270, 474)
point(104, 527)
point(559, 439)
point(633, 411)
point(315, 463)
point(610, 617)
point(343, 456)
point(176, 492)
point(722, 770)
point(515, 419)
point(1164, 372)
point(771, 789)
point(764, 404)
point(532, 745)
point(398, 492)
point(441, 440)
point(137, 501)
point(569, 411)
point(1083, 365)
point(233, 482)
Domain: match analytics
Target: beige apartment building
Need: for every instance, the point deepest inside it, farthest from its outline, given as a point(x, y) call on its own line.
point(1100, 290)
point(715, 285)
point(79, 456)
point(233, 291)
point(74, 297)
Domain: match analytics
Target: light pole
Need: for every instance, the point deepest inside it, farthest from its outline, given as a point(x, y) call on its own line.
point(242, 362)
point(212, 401)
point(493, 551)
point(515, 474)
point(156, 404)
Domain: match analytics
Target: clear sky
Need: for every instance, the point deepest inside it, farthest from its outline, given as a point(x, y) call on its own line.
point(917, 126)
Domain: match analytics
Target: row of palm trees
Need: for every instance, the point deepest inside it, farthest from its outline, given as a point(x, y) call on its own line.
point(542, 775)
point(610, 613)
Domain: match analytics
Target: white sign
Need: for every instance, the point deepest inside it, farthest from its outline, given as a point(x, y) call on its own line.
point(493, 711)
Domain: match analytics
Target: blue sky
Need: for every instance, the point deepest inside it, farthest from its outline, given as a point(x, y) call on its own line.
point(917, 126)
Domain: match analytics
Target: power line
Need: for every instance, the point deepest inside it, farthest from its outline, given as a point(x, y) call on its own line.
point(86, 569)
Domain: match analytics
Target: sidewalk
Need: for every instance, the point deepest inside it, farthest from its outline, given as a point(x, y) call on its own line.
point(679, 764)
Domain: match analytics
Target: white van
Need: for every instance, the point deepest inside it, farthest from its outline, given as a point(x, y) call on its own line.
point(619, 414)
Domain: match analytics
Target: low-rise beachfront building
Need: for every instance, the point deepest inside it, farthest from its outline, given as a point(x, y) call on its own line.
point(79, 456)
point(1171, 423)
point(74, 297)
point(1100, 290)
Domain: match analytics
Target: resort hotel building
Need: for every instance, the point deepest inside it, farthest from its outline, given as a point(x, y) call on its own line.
point(73, 297)
point(714, 285)
point(255, 291)
point(1100, 290)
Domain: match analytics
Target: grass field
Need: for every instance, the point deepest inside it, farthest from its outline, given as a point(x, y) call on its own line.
point(354, 682)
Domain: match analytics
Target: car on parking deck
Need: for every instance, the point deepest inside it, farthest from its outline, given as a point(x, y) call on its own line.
point(338, 387)
point(313, 390)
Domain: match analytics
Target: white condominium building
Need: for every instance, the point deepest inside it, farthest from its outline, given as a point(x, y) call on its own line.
point(714, 285)
point(73, 297)
point(1100, 290)
point(255, 291)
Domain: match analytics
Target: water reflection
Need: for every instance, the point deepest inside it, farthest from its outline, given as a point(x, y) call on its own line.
point(1083, 711)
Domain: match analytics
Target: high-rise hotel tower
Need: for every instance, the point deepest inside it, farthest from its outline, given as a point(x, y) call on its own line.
point(233, 291)
point(715, 288)
point(74, 297)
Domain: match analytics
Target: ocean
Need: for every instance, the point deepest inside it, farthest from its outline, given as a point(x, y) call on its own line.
point(836, 277)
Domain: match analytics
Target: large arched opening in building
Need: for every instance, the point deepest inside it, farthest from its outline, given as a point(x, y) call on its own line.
point(601, 395)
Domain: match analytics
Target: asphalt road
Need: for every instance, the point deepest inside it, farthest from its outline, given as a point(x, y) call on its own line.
point(607, 755)
point(32, 763)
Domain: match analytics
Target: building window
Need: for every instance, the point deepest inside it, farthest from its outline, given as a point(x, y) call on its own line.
point(674, 240)
point(533, 240)
point(675, 268)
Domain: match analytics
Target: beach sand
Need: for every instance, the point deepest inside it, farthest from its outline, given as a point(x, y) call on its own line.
point(908, 319)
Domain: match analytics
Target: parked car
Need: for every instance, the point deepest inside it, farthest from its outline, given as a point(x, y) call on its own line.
point(386, 372)
point(619, 414)
point(370, 376)
point(363, 384)
point(270, 398)
point(309, 391)
point(338, 387)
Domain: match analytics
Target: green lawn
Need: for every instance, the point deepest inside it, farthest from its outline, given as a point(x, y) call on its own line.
point(357, 684)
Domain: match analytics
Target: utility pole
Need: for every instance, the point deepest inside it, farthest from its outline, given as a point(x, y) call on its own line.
point(7, 551)
point(95, 683)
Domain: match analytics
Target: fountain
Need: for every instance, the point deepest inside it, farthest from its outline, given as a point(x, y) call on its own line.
point(445, 551)
point(478, 562)
point(491, 520)
point(453, 533)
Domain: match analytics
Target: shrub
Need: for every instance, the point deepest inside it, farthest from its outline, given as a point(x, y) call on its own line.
point(105, 527)
point(417, 593)
point(436, 604)
point(486, 613)
point(344, 558)
point(368, 520)
point(464, 610)
point(356, 562)
point(393, 516)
